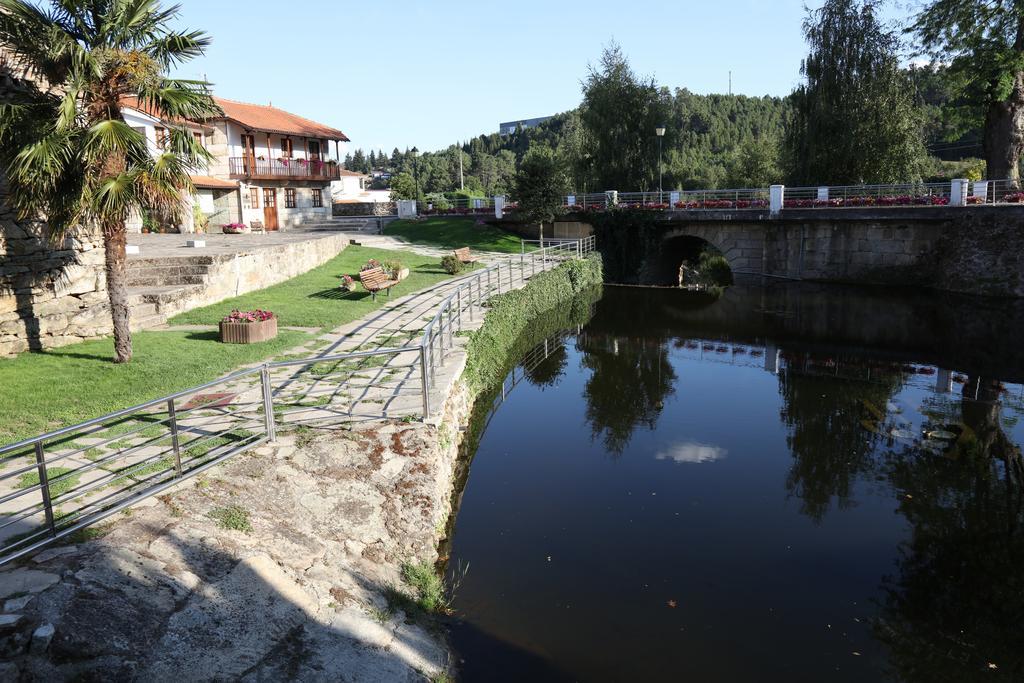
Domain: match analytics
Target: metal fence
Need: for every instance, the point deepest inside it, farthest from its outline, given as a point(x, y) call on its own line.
point(55, 484)
point(982, 192)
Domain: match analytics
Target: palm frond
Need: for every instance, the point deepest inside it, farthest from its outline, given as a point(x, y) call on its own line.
point(114, 198)
point(180, 99)
point(175, 48)
point(38, 40)
point(114, 137)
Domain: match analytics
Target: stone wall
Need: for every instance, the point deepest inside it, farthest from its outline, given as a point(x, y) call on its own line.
point(359, 208)
point(52, 293)
point(976, 250)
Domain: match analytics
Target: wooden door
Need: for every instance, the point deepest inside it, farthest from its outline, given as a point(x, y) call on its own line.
point(249, 153)
point(269, 208)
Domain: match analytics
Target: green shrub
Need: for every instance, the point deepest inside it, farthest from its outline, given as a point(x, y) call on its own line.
point(451, 264)
point(714, 269)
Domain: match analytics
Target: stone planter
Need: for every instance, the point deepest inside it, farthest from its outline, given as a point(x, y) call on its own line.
point(403, 273)
point(248, 333)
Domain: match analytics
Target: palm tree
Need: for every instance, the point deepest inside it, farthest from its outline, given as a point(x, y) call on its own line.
point(65, 148)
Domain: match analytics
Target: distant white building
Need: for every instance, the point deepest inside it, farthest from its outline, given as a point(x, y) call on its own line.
point(353, 188)
point(509, 127)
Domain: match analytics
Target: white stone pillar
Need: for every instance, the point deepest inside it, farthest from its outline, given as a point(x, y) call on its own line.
point(958, 192)
point(776, 198)
point(611, 198)
point(822, 194)
point(406, 208)
point(980, 189)
point(499, 206)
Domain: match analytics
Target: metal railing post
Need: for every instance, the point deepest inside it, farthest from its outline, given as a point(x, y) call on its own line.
point(268, 403)
point(174, 437)
point(458, 294)
point(44, 487)
point(424, 381)
point(472, 315)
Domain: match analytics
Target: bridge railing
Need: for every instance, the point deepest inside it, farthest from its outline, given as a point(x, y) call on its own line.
point(959, 192)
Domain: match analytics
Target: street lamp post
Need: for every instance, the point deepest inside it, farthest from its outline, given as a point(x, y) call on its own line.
point(660, 132)
point(415, 172)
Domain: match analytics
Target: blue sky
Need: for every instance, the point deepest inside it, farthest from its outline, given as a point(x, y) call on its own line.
point(403, 73)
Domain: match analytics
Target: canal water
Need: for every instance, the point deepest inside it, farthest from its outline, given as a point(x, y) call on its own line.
point(783, 483)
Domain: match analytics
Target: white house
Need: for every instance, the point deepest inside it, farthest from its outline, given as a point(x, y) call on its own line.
point(269, 167)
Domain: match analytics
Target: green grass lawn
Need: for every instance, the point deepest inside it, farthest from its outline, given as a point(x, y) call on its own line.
point(40, 392)
point(51, 389)
point(314, 300)
point(454, 232)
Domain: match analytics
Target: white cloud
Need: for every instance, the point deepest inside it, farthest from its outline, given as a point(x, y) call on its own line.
point(692, 452)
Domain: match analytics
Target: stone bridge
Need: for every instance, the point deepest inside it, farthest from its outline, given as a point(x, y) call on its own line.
point(963, 249)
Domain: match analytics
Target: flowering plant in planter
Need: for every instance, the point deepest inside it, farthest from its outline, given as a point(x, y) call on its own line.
point(303, 162)
point(370, 265)
point(1014, 198)
point(235, 228)
point(283, 160)
point(257, 316)
point(247, 327)
point(347, 283)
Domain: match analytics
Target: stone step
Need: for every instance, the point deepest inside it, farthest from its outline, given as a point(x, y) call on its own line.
point(164, 279)
point(153, 261)
point(161, 294)
point(147, 322)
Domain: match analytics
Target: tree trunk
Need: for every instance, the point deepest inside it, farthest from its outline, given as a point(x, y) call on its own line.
point(114, 240)
point(1004, 134)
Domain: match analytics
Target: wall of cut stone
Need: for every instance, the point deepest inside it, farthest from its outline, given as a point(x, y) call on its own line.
point(52, 293)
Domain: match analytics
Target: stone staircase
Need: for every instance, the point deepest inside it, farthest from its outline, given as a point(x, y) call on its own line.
point(156, 285)
point(364, 224)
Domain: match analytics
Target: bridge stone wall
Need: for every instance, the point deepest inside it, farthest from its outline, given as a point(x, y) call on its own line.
point(976, 250)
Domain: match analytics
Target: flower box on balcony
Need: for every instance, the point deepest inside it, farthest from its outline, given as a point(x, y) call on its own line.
point(248, 327)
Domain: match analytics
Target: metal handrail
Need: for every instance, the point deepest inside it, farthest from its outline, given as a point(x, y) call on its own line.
point(468, 293)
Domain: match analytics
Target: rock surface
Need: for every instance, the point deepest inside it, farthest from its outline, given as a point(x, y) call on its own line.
point(170, 593)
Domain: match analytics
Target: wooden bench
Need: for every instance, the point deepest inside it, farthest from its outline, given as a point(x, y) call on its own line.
point(257, 226)
point(376, 280)
point(463, 255)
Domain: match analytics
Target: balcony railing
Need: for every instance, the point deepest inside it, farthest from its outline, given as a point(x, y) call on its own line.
point(244, 167)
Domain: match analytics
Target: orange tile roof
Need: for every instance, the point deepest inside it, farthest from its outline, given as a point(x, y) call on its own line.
point(259, 117)
point(347, 172)
point(265, 117)
point(211, 182)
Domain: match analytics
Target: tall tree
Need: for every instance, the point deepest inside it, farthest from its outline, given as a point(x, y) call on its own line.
point(541, 185)
point(65, 148)
point(854, 119)
point(983, 42)
point(620, 111)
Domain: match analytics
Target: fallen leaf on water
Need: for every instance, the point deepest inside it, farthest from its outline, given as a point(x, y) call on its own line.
point(856, 654)
point(673, 604)
point(992, 665)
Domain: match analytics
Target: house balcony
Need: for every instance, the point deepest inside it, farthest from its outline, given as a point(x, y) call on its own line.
point(245, 168)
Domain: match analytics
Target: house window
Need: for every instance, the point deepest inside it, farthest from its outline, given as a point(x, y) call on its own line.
point(254, 197)
point(318, 198)
point(286, 148)
point(289, 197)
point(199, 138)
point(314, 150)
point(161, 138)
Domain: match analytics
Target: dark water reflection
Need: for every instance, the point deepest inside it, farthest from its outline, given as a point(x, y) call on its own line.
point(790, 483)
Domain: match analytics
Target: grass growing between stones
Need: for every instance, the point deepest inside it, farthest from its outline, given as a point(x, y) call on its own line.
point(58, 484)
point(427, 596)
point(446, 232)
point(313, 299)
point(233, 517)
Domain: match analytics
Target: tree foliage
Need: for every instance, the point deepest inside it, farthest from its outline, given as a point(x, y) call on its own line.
point(983, 43)
point(619, 113)
point(854, 119)
point(540, 186)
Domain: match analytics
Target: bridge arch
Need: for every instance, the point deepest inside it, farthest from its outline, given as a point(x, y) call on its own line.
point(685, 243)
